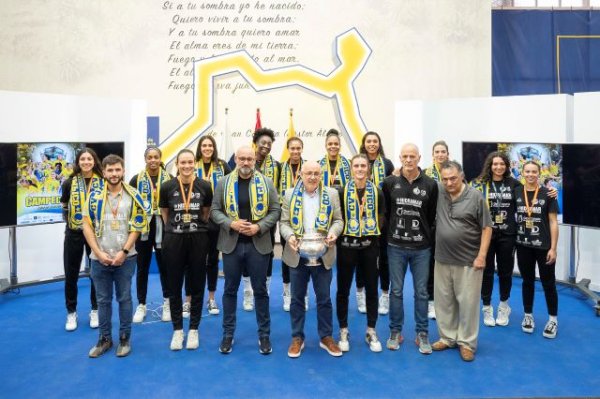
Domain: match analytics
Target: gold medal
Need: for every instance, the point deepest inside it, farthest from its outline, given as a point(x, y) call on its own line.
point(499, 219)
point(186, 217)
point(114, 225)
point(529, 223)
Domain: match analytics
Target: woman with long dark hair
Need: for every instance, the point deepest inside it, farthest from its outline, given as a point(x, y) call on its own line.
point(87, 174)
point(381, 167)
point(499, 189)
point(537, 238)
point(148, 183)
point(184, 206)
point(335, 167)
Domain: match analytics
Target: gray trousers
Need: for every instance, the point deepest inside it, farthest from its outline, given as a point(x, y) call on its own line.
point(457, 291)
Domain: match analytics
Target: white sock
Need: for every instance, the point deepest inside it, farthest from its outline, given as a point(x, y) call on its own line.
point(286, 288)
point(247, 283)
point(554, 319)
point(268, 283)
point(529, 314)
point(504, 304)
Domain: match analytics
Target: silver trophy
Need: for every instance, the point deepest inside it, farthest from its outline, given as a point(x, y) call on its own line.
point(312, 247)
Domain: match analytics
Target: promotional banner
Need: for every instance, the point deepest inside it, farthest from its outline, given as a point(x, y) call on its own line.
point(42, 168)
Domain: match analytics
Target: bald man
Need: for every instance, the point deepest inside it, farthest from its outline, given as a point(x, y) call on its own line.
point(410, 203)
point(311, 206)
point(245, 206)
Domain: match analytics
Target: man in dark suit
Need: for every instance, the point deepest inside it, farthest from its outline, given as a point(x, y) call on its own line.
point(246, 207)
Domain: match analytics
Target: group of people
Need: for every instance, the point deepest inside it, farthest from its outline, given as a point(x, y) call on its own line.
point(376, 222)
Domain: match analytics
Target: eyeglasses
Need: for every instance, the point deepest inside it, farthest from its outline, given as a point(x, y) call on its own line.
point(245, 159)
point(311, 174)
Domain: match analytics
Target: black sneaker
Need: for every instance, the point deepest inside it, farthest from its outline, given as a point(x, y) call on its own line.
point(124, 347)
point(264, 345)
point(103, 345)
point(226, 345)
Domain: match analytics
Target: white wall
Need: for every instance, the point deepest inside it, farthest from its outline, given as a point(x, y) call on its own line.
point(544, 118)
point(30, 117)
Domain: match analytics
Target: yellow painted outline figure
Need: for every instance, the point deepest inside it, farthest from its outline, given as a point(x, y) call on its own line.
point(352, 53)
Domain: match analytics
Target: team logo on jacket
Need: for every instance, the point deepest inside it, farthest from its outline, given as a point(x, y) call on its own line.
point(416, 191)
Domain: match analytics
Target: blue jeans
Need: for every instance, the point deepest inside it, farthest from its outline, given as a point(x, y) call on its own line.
point(246, 256)
point(321, 279)
point(104, 277)
point(399, 259)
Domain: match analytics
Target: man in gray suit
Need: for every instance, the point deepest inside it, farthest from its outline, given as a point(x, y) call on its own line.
point(245, 206)
point(311, 206)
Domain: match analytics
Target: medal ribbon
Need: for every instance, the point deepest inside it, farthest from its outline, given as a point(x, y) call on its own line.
point(188, 199)
point(528, 208)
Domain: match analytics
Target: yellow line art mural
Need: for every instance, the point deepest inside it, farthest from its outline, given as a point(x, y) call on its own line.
point(352, 53)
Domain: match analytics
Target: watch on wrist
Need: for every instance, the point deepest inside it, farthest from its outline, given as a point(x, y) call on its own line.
point(125, 251)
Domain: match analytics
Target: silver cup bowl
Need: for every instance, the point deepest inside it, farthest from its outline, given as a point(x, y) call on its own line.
point(312, 247)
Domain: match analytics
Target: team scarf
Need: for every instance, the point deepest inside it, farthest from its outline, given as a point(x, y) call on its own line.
point(378, 171)
point(361, 222)
point(259, 196)
point(482, 187)
point(78, 198)
point(144, 187)
point(342, 168)
point(96, 202)
point(287, 176)
point(324, 217)
point(434, 172)
point(269, 168)
point(216, 171)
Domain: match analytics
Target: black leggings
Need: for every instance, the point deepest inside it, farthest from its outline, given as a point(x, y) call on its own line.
point(185, 255)
point(73, 248)
point(502, 253)
point(527, 259)
point(347, 260)
point(383, 266)
point(144, 258)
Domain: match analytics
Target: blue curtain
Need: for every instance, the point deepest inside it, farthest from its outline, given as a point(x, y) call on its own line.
point(525, 59)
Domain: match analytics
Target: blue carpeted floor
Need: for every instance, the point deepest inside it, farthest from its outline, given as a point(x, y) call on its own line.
point(39, 359)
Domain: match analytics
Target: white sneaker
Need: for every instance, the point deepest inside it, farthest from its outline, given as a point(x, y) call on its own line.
point(384, 303)
point(94, 323)
point(287, 300)
point(503, 313)
point(488, 316)
point(430, 310)
point(361, 301)
point(71, 324)
point(248, 301)
point(140, 313)
point(192, 340)
point(177, 340)
point(372, 340)
point(186, 310)
point(166, 310)
point(344, 344)
point(306, 303)
point(550, 329)
point(212, 307)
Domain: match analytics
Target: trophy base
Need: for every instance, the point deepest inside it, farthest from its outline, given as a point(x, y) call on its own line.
point(313, 262)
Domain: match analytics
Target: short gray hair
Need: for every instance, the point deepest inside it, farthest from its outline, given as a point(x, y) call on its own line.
point(452, 165)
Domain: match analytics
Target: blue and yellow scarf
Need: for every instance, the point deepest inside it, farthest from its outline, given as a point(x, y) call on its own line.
point(324, 217)
point(287, 176)
point(367, 224)
point(342, 167)
point(259, 196)
point(78, 198)
point(96, 202)
point(144, 187)
point(215, 172)
point(434, 173)
point(482, 187)
point(378, 172)
point(269, 169)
